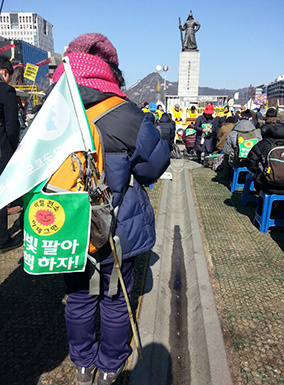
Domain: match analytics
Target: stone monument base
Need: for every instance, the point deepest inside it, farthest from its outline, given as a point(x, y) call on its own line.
point(188, 79)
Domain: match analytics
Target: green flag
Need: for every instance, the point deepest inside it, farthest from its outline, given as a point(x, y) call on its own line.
point(56, 226)
point(245, 146)
point(56, 231)
point(60, 128)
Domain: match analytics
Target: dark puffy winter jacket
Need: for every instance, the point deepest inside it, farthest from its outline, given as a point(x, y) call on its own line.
point(9, 123)
point(133, 147)
point(256, 159)
point(208, 144)
point(167, 129)
point(189, 140)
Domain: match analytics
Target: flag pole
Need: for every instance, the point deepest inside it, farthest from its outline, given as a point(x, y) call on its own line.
point(83, 124)
point(79, 107)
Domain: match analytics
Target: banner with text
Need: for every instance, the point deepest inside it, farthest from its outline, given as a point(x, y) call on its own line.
point(30, 72)
point(55, 239)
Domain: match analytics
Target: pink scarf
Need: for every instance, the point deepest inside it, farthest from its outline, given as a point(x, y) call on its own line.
point(90, 71)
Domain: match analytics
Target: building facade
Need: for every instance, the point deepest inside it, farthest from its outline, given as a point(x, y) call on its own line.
point(24, 53)
point(29, 27)
point(274, 90)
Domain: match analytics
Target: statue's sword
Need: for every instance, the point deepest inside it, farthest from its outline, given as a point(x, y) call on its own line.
point(180, 32)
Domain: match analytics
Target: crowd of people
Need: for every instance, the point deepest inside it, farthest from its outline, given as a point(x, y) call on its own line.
point(137, 152)
point(224, 141)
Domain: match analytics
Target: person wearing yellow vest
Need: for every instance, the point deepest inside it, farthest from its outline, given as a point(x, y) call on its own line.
point(192, 113)
point(159, 110)
point(146, 107)
point(226, 113)
point(178, 116)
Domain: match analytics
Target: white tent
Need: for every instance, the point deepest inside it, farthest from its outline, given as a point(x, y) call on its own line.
point(251, 105)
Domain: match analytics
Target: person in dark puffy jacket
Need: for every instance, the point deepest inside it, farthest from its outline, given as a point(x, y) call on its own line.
point(270, 117)
point(204, 142)
point(134, 156)
point(167, 129)
point(9, 139)
point(257, 158)
point(188, 137)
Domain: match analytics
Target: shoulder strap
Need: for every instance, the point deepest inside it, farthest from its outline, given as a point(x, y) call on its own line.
point(101, 109)
point(94, 114)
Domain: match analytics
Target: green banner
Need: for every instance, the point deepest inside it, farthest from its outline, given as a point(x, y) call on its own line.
point(56, 232)
point(207, 127)
point(190, 131)
point(245, 146)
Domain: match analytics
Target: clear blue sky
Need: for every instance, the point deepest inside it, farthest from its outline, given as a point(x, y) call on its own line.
point(240, 41)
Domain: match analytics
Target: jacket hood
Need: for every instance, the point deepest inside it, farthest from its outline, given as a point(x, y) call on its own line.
point(91, 96)
point(151, 117)
point(244, 125)
point(274, 130)
point(165, 118)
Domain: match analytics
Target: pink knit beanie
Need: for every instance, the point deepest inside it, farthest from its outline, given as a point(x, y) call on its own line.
point(95, 44)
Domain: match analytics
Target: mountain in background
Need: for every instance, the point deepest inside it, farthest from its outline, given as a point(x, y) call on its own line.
point(146, 90)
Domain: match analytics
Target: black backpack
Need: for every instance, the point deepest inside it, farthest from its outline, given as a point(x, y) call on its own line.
point(274, 164)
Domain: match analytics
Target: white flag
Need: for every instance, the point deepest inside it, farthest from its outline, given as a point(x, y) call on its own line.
point(60, 128)
point(236, 95)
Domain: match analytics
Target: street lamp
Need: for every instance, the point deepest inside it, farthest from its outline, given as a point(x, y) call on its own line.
point(165, 68)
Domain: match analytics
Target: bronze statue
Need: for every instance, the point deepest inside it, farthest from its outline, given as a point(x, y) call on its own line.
point(190, 27)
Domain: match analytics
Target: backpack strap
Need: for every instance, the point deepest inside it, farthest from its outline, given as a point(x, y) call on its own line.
point(94, 114)
point(104, 107)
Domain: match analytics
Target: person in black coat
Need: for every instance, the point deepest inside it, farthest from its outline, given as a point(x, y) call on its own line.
point(205, 131)
point(271, 117)
point(256, 159)
point(9, 139)
point(167, 129)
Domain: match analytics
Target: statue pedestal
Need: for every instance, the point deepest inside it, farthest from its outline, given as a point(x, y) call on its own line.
point(188, 77)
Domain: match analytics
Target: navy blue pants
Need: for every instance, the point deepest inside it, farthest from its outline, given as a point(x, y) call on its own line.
point(112, 349)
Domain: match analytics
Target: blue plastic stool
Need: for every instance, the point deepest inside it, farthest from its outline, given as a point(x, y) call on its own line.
point(264, 219)
point(234, 185)
point(248, 189)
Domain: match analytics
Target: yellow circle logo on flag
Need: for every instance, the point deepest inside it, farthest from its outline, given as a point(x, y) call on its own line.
point(241, 140)
point(248, 144)
point(46, 216)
